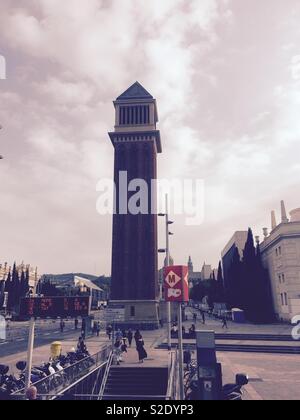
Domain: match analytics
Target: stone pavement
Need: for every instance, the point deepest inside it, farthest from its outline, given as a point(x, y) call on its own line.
point(216, 325)
point(42, 354)
point(272, 377)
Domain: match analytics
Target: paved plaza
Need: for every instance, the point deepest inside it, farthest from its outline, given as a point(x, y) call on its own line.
point(272, 376)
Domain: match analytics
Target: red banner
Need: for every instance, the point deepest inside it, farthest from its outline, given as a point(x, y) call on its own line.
point(176, 283)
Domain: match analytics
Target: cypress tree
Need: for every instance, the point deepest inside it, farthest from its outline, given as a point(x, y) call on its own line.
point(24, 285)
point(234, 291)
point(8, 289)
point(16, 288)
point(220, 293)
point(257, 291)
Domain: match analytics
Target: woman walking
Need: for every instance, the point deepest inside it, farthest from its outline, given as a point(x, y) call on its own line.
point(137, 336)
point(141, 350)
point(130, 337)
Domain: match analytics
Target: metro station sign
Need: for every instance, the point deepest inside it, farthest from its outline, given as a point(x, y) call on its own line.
point(176, 283)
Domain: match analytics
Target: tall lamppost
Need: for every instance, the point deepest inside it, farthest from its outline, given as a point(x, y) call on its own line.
point(167, 263)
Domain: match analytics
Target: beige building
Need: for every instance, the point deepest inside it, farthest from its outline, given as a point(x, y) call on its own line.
point(281, 255)
point(33, 272)
point(196, 277)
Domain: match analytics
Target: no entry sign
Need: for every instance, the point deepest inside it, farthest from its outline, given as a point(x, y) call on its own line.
point(176, 283)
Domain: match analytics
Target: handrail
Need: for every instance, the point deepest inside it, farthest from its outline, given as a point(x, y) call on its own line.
point(92, 363)
point(105, 377)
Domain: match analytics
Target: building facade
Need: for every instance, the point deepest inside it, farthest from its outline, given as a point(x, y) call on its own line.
point(137, 143)
point(238, 241)
point(281, 256)
point(205, 274)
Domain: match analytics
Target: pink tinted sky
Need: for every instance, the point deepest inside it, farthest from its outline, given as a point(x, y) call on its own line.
point(226, 74)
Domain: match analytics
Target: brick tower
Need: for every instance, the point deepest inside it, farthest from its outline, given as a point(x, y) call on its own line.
point(134, 250)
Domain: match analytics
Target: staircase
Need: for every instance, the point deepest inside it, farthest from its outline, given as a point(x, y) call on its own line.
point(136, 384)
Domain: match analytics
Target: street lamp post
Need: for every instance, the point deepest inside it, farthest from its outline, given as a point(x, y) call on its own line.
point(167, 263)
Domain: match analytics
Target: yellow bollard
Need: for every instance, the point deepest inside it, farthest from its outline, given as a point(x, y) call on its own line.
point(56, 349)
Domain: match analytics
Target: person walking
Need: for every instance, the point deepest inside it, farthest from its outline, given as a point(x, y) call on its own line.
point(203, 317)
point(195, 317)
point(76, 324)
point(124, 344)
point(98, 328)
point(62, 326)
point(94, 328)
point(109, 330)
point(119, 335)
point(83, 328)
point(130, 337)
point(224, 323)
point(137, 336)
point(140, 347)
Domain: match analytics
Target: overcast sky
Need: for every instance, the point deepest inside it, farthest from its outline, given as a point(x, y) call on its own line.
point(226, 75)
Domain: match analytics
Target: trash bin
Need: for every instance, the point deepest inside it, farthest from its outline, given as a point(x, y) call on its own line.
point(56, 349)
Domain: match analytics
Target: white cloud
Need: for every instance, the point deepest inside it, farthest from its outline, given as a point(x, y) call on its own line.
point(219, 120)
point(295, 67)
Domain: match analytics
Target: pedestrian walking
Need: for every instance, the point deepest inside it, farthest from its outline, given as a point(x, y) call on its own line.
point(83, 328)
point(130, 337)
point(124, 345)
point(119, 335)
point(140, 347)
point(109, 330)
point(195, 317)
point(203, 317)
point(224, 323)
point(94, 328)
point(137, 336)
point(98, 329)
point(117, 353)
point(76, 324)
point(62, 326)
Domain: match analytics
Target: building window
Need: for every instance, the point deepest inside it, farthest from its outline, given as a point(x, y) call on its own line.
point(132, 311)
point(279, 277)
point(283, 278)
point(285, 299)
point(282, 301)
point(134, 115)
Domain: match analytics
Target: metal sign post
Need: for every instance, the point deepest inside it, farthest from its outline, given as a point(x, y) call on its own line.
point(30, 353)
point(177, 290)
point(180, 346)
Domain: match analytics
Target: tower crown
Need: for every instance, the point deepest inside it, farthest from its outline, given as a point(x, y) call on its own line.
point(136, 115)
point(136, 110)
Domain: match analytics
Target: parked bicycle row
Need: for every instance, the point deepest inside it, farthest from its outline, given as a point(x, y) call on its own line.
point(47, 377)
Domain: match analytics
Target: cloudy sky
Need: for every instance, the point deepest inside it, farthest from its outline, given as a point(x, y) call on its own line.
point(226, 74)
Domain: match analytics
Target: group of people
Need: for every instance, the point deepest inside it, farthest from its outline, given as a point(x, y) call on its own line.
point(203, 318)
point(96, 328)
point(124, 339)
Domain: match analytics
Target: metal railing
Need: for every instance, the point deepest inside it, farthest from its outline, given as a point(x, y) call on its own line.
point(58, 383)
point(173, 383)
point(106, 374)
